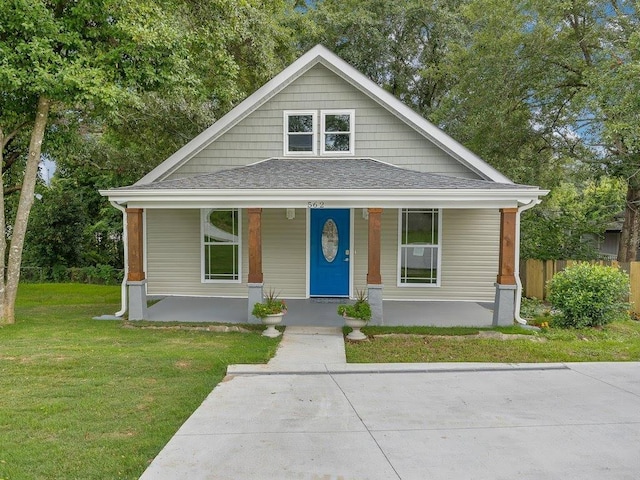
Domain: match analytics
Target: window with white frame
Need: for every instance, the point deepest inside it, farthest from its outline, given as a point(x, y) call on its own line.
point(419, 247)
point(221, 245)
point(337, 131)
point(300, 133)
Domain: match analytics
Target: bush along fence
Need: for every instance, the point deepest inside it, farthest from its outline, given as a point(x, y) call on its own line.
point(535, 274)
point(99, 274)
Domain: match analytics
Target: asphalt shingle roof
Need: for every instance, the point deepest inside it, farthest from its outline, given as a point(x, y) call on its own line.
point(333, 174)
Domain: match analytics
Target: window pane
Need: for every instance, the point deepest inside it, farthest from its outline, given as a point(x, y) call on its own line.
point(419, 265)
point(221, 244)
point(300, 123)
point(221, 262)
point(420, 227)
point(222, 226)
point(337, 123)
point(330, 240)
point(301, 143)
point(337, 142)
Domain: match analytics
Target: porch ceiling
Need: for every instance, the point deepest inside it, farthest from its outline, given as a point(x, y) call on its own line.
point(339, 182)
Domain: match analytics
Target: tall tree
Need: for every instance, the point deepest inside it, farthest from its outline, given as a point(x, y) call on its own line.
point(401, 45)
point(613, 99)
point(63, 55)
point(234, 46)
point(569, 70)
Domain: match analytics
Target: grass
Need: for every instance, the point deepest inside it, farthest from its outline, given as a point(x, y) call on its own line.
point(618, 341)
point(86, 399)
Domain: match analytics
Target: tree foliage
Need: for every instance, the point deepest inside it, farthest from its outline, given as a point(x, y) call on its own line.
point(571, 220)
point(86, 56)
point(403, 46)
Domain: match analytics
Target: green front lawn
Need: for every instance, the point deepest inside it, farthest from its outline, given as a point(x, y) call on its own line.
point(618, 341)
point(87, 399)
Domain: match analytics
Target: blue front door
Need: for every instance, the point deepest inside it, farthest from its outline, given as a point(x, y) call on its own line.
point(329, 252)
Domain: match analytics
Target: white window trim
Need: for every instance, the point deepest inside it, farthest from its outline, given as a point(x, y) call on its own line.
point(314, 133)
point(352, 133)
point(204, 214)
point(438, 250)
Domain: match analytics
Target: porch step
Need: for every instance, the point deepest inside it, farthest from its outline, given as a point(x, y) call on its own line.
point(302, 350)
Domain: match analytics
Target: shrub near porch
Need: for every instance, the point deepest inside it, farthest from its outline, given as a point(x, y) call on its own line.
point(93, 400)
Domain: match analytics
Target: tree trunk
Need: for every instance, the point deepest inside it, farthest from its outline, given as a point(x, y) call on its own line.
point(630, 234)
point(24, 208)
point(3, 235)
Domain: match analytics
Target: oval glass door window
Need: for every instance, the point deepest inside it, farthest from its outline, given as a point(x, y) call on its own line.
point(330, 240)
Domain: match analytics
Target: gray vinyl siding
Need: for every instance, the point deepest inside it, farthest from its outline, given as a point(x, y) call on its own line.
point(378, 133)
point(470, 249)
point(174, 254)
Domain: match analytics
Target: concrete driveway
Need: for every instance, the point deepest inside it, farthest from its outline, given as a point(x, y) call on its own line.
point(334, 421)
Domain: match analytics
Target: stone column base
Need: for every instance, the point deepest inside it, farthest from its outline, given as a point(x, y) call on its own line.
point(138, 300)
point(504, 306)
point(374, 293)
point(255, 296)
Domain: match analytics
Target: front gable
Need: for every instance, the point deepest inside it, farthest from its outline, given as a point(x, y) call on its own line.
point(378, 133)
point(385, 129)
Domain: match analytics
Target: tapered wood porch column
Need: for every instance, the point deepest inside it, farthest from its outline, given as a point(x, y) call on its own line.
point(507, 259)
point(135, 245)
point(255, 245)
point(373, 273)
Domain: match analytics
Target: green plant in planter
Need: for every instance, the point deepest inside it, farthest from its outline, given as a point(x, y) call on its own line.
point(360, 309)
point(270, 306)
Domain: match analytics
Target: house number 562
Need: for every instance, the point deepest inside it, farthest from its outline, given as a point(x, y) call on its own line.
point(315, 204)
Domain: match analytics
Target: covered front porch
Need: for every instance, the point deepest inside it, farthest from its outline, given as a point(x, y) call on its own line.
point(168, 240)
point(321, 312)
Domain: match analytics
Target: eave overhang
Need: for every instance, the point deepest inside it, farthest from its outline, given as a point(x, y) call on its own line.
point(323, 198)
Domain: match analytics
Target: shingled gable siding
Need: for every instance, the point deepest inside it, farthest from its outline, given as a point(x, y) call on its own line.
point(469, 256)
point(378, 133)
point(174, 254)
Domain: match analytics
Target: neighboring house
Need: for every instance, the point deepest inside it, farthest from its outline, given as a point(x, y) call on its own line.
point(609, 244)
point(321, 183)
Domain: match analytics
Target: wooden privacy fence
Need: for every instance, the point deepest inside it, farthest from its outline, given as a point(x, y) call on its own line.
point(535, 274)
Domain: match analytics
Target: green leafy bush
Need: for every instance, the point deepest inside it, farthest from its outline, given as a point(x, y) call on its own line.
point(589, 295)
point(272, 305)
point(360, 309)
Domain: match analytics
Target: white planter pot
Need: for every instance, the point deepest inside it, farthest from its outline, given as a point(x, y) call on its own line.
point(271, 321)
point(356, 324)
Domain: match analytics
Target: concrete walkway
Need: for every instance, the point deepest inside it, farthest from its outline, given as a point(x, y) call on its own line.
point(309, 415)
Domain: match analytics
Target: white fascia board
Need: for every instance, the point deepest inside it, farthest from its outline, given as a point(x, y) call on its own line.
point(325, 198)
point(235, 115)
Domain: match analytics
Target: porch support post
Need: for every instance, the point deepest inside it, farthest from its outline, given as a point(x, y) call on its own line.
point(504, 306)
point(136, 280)
point(255, 277)
point(374, 279)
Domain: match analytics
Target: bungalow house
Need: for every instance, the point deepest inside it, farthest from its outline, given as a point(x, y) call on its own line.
point(321, 184)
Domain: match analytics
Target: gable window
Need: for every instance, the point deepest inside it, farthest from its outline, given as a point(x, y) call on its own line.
point(300, 133)
point(419, 247)
point(337, 131)
point(220, 245)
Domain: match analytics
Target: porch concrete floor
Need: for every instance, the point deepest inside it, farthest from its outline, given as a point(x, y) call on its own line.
point(321, 312)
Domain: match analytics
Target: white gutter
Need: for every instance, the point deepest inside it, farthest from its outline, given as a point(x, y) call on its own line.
point(299, 198)
point(518, 303)
point(125, 241)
